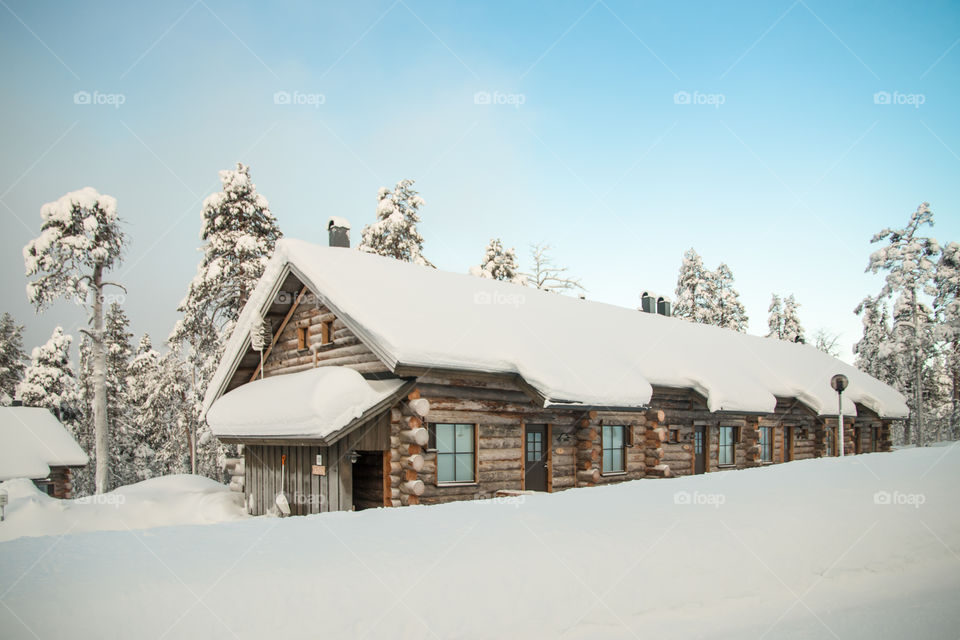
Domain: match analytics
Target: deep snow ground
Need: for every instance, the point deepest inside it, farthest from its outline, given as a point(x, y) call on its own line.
point(170, 500)
point(864, 547)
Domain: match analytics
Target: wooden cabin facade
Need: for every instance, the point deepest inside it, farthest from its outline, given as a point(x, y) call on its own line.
point(446, 434)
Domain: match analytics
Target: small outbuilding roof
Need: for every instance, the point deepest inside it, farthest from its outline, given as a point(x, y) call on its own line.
point(573, 353)
point(318, 405)
point(32, 440)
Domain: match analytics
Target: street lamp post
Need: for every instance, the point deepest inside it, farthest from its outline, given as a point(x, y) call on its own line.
point(839, 382)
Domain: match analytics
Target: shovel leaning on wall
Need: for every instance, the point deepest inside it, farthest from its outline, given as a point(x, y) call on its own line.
point(282, 503)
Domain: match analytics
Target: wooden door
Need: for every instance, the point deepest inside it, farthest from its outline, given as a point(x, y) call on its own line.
point(699, 449)
point(787, 444)
point(536, 451)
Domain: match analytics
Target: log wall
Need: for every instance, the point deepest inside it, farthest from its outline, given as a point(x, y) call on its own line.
point(346, 349)
point(499, 409)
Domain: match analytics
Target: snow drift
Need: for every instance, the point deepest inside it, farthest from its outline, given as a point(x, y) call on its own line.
point(168, 500)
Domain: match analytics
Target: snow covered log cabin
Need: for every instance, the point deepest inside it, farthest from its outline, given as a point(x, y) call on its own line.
point(356, 381)
point(34, 445)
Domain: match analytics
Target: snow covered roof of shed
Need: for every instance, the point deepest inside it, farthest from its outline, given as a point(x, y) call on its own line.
point(32, 440)
point(573, 352)
point(317, 404)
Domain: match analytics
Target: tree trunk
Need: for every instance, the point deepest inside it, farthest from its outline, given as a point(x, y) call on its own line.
point(101, 430)
point(955, 405)
point(917, 390)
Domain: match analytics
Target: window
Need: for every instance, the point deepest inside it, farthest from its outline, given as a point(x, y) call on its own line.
point(613, 448)
point(303, 337)
point(725, 450)
point(674, 437)
point(829, 441)
point(534, 446)
point(766, 444)
point(456, 452)
point(326, 332)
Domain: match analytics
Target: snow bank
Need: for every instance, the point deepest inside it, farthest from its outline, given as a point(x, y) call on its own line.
point(32, 440)
point(316, 403)
point(169, 500)
point(572, 351)
point(859, 547)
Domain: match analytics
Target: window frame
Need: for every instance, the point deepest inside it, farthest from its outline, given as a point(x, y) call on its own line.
point(766, 438)
point(731, 446)
point(433, 446)
point(326, 332)
point(303, 338)
point(622, 449)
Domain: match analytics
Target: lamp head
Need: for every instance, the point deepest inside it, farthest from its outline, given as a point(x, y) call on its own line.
point(839, 382)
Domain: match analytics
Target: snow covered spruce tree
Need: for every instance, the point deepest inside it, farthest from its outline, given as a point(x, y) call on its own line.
point(729, 313)
point(792, 329)
point(873, 350)
point(695, 291)
point(775, 317)
point(546, 274)
point(946, 306)
point(395, 234)
point(784, 322)
point(498, 264)
point(908, 260)
point(239, 235)
point(80, 241)
point(116, 342)
point(157, 386)
point(49, 381)
point(12, 358)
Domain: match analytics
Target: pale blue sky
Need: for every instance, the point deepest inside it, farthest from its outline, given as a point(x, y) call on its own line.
point(786, 180)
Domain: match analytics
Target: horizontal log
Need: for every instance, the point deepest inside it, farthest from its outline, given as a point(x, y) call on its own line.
point(447, 393)
point(656, 415)
point(589, 475)
point(508, 475)
point(496, 465)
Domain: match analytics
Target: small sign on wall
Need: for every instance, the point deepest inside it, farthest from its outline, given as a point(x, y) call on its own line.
point(319, 470)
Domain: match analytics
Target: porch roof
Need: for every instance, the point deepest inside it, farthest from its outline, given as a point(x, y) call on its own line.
point(320, 404)
point(32, 440)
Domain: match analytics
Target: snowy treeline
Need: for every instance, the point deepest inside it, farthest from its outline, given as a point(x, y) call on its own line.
point(911, 328)
point(134, 410)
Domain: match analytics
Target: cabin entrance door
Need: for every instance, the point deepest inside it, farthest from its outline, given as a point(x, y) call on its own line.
point(536, 451)
point(699, 449)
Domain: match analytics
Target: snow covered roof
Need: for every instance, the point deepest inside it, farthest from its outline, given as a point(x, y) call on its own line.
point(317, 404)
point(32, 440)
point(572, 352)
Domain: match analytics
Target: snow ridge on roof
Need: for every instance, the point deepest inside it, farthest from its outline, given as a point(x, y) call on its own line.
point(32, 440)
point(573, 352)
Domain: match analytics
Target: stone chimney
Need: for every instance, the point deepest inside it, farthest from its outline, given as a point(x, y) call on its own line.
point(339, 232)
